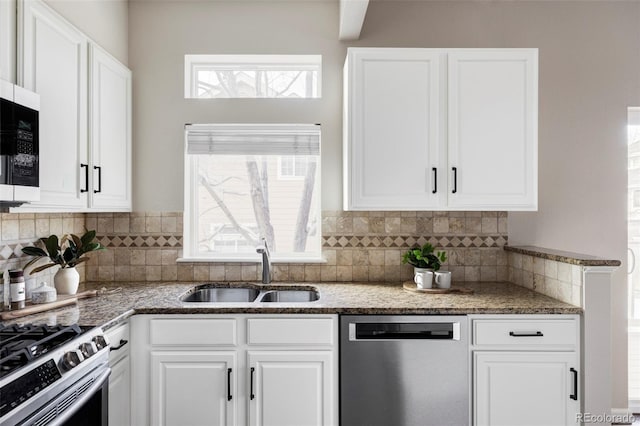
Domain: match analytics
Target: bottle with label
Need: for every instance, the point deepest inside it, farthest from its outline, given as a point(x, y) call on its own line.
point(17, 289)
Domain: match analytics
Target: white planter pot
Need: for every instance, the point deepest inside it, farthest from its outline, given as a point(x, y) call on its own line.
point(66, 281)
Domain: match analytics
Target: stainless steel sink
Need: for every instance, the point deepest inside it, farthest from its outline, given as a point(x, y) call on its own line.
point(290, 296)
point(221, 295)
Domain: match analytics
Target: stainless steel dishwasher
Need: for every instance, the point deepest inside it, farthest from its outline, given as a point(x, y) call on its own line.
point(404, 370)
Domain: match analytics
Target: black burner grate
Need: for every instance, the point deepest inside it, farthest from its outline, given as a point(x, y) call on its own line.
point(19, 345)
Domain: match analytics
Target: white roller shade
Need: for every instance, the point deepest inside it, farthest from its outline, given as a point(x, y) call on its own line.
point(262, 139)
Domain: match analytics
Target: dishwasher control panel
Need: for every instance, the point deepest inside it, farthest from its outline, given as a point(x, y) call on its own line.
point(404, 331)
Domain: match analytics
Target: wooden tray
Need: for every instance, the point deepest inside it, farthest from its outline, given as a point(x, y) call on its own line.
point(411, 286)
point(63, 300)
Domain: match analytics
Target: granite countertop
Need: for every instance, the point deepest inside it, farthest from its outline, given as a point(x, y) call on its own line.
point(119, 301)
point(563, 256)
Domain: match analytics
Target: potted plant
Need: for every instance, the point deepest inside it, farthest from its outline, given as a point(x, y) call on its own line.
point(66, 252)
point(425, 262)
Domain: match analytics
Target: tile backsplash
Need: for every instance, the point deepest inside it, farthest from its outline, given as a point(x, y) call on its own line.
point(560, 280)
point(18, 230)
point(358, 246)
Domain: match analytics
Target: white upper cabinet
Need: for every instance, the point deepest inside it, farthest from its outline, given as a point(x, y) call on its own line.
point(110, 131)
point(493, 129)
point(392, 115)
point(440, 129)
point(52, 61)
point(85, 114)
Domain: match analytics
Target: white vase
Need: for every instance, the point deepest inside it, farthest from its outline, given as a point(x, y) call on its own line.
point(66, 281)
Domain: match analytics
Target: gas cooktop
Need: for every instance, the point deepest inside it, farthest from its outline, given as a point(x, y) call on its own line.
point(21, 345)
point(40, 363)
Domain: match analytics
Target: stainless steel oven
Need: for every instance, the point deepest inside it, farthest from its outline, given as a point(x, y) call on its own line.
point(53, 376)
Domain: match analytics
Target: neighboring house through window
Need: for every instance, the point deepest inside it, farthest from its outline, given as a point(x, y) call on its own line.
point(292, 167)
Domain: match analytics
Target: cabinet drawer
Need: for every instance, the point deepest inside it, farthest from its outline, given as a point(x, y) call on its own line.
point(119, 339)
point(193, 332)
point(291, 331)
point(525, 332)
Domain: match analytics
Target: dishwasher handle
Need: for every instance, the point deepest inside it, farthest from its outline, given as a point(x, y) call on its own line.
point(363, 331)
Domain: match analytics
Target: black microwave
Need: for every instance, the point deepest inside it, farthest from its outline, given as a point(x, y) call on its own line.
point(19, 144)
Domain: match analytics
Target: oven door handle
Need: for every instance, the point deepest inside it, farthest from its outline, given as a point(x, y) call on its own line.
point(100, 381)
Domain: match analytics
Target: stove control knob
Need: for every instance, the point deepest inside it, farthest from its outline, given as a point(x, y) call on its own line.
point(88, 349)
point(100, 342)
point(71, 359)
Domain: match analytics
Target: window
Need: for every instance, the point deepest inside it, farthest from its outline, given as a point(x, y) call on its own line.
point(234, 194)
point(252, 76)
point(292, 167)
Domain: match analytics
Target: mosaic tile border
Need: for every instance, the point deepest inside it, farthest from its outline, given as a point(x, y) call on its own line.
point(116, 241)
point(446, 241)
point(330, 241)
point(14, 251)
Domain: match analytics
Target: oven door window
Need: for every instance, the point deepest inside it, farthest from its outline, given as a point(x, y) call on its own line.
point(93, 412)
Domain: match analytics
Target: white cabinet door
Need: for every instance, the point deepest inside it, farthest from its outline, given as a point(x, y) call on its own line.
point(292, 388)
point(492, 130)
point(120, 393)
point(392, 148)
point(525, 388)
point(109, 132)
point(52, 61)
point(193, 388)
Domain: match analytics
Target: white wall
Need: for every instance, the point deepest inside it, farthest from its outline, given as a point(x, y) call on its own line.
point(161, 33)
point(104, 21)
point(589, 64)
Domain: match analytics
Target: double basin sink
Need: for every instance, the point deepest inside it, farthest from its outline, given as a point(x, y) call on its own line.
point(221, 293)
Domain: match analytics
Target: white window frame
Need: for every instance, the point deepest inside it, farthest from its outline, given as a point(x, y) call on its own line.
point(190, 237)
point(195, 63)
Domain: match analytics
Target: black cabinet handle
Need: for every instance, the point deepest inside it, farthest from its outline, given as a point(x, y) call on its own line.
point(574, 395)
point(99, 168)
point(435, 180)
point(516, 334)
point(122, 343)
point(455, 180)
point(229, 396)
point(86, 177)
point(251, 395)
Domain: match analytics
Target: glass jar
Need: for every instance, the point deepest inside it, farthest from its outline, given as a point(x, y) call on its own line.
point(17, 289)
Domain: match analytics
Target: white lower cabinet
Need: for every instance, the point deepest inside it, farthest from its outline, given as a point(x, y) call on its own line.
point(235, 370)
point(290, 388)
point(521, 388)
point(526, 371)
point(120, 393)
point(120, 378)
point(193, 388)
